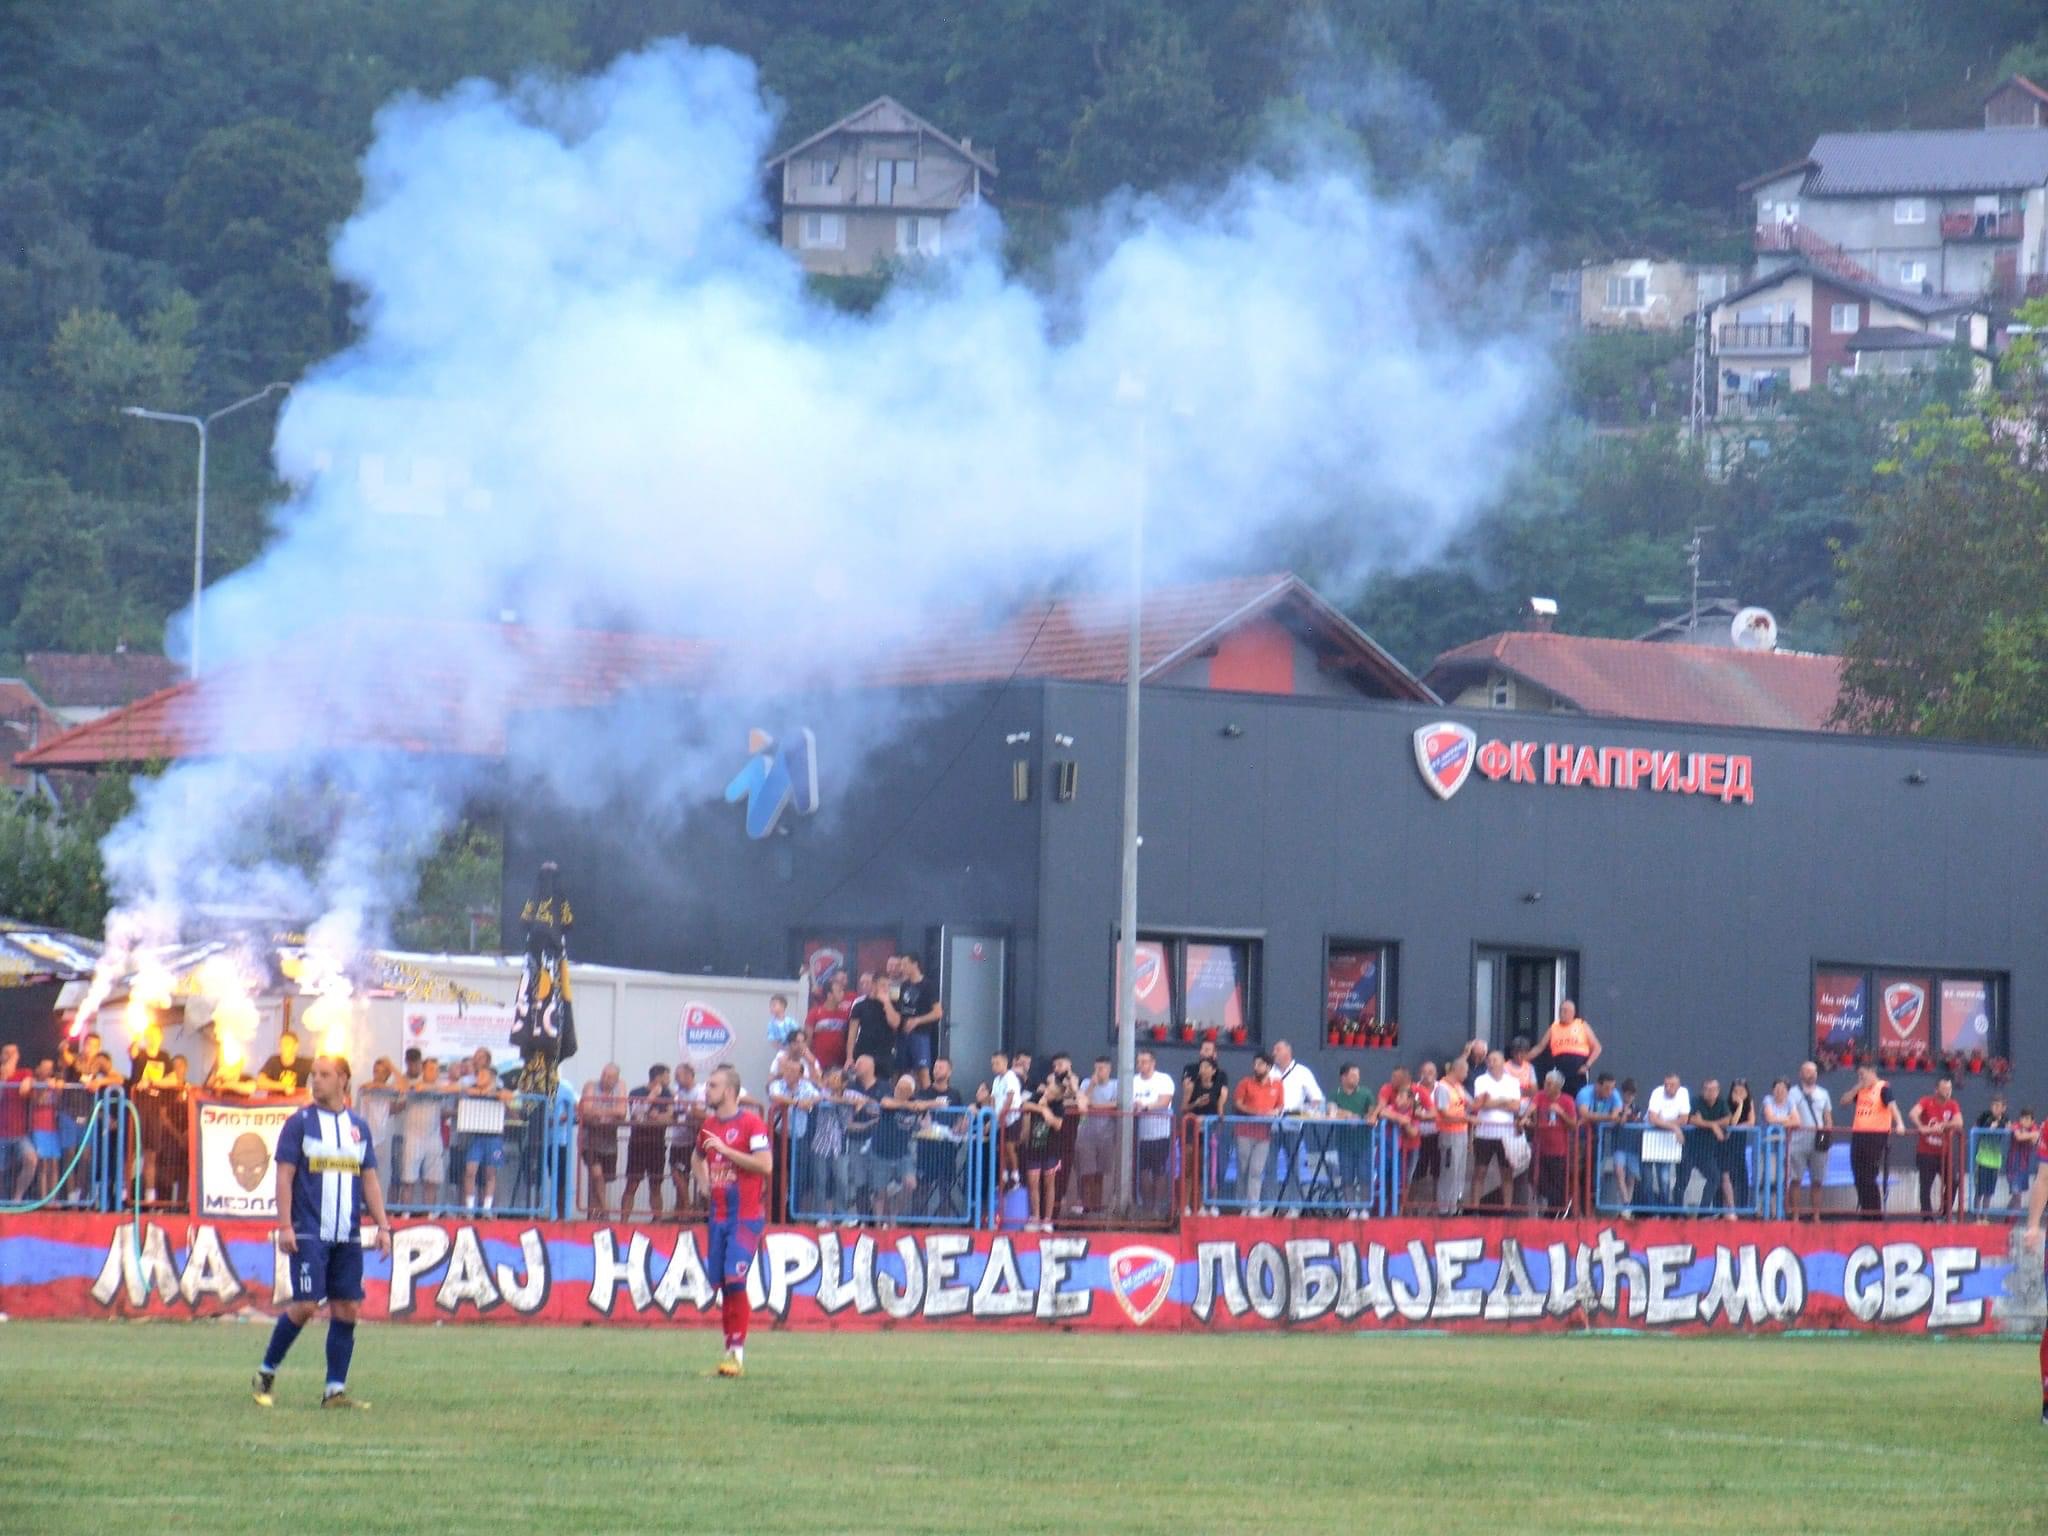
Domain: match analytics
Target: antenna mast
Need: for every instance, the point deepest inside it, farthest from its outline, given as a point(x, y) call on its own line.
point(1698, 420)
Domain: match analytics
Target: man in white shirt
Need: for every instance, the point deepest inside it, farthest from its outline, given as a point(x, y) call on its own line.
point(1300, 1094)
point(1806, 1157)
point(1666, 1116)
point(1152, 1096)
point(1497, 1093)
point(791, 1096)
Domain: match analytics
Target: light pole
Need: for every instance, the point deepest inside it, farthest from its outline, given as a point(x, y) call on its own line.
point(201, 424)
point(1132, 390)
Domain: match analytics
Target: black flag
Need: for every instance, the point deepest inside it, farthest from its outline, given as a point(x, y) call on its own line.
point(544, 1015)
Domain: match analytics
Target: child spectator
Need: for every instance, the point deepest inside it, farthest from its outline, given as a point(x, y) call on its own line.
point(780, 1025)
point(2020, 1154)
point(1989, 1159)
point(481, 1114)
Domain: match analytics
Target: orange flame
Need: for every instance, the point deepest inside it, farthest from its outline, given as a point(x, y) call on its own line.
point(148, 992)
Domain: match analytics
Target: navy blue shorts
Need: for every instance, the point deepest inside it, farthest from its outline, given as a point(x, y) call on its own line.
point(730, 1252)
point(488, 1151)
point(916, 1052)
point(323, 1271)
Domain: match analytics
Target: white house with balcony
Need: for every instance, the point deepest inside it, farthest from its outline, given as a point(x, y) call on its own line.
point(1943, 211)
point(1802, 324)
point(878, 187)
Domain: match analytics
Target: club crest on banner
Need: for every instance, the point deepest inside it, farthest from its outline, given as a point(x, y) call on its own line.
point(705, 1036)
point(1905, 1005)
point(1140, 1278)
point(1444, 753)
point(1150, 973)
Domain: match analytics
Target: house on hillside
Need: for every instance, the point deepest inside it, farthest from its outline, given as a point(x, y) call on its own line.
point(79, 686)
point(1647, 294)
point(26, 722)
point(881, 185)
point(1801, 324)
point(1544, 672)
point(1944, 211)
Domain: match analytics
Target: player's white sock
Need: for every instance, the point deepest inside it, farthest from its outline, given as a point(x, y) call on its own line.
point(739, 1354)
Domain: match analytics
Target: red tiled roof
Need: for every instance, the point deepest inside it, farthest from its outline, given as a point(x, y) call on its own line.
point(2023, 83)
point(452, 687)
point(82, 680)
point(1644, 680)
point(24, 724)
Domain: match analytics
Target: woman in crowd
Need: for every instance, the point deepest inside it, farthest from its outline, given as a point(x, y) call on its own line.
point(1736, 1149)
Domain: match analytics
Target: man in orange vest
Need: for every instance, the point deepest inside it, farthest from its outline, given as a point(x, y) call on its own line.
point(1454, 1137)
point(1875, 1122)
point(1572, 1046)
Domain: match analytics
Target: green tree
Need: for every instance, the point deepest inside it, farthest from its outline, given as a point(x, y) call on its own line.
point(456, 907)
point(1947, 592)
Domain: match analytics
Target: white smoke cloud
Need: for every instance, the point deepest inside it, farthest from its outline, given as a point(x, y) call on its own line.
point(591, 389)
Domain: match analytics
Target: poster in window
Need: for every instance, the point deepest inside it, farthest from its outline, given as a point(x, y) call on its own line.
point(1905, 1013)
point(1841, 1009)
point(1351, 989)
point(1966, 1016)
point(825, 956)
point(872, 956)
point(1216, 982)
point(1155, 984)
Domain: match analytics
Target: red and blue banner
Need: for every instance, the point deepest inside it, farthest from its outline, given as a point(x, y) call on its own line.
point(1215, 1274)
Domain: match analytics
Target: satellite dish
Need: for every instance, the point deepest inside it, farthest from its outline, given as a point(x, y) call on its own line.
point(1754, 629)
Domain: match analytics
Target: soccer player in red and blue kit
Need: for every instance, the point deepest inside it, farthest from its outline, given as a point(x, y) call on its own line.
point(732, 1162)
point(2030, 1242)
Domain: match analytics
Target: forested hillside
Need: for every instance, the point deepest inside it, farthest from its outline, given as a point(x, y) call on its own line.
point(170, 175)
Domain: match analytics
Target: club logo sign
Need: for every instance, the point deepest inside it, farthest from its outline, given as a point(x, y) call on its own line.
point(1140, 1278)
point(1151, 972)
point(705, 1036)
point(1905, 1007)
point(1444, 753)
point(825, 964)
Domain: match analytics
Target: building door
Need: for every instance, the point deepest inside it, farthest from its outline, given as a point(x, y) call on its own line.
point(1517, 992)
point(973, 987)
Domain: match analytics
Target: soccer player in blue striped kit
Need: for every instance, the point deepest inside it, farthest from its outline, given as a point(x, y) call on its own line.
point(326, 1180)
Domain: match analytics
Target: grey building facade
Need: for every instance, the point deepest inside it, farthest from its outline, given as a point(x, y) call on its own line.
point(1298, 864)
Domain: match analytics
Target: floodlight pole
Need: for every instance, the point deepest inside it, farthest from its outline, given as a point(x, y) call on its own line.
point(201, 424)
point(1127, 914)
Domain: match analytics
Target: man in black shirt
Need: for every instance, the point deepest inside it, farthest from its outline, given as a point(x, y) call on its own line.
point(873, 1024)
point(918, 1009)
point(1191, 1077)
point(148, 1061)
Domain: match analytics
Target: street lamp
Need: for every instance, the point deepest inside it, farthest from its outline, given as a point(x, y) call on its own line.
point(201, 424)
point(1130, 390)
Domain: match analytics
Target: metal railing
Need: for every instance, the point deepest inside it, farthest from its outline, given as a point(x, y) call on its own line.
point(1756, 337)
point(2000, 1169)
point(446, 1153)
point(1643, 1170)
point(1297, 1165)
point(2007, 224)
point(54, 1154)
point(929, 1167)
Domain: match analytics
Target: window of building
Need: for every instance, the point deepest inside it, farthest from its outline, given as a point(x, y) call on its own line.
point(1909, 1014)
point(822, 232)
point(824, 171)
point(1912, 273)
point(1358, 993)
point(917, 235)
point(1910, 210)
point(1712, 286)
point(1627, 292)
point(890, 175)
point(1194, 987)
point(1845, 318)
point(1503, 694)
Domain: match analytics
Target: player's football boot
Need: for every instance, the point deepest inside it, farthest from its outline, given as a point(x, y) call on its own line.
point(260, 1387)
point(730, 1365)
point(342, 1400)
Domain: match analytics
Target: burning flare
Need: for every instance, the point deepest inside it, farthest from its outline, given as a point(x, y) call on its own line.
point(149, 992)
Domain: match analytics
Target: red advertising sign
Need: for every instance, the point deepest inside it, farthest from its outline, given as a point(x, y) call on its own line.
point(1905, 1013)
point(1966, 1016)
point(1230, 1273)
point(1841, 1009)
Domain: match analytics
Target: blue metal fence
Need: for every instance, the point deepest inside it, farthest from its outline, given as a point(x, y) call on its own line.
point(907, 1168)
point(442, 1152)
point(1658, 1171)
point(1261, 1165)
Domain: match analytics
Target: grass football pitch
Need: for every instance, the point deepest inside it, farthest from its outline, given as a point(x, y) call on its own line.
point(137, 1428)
